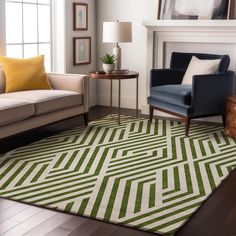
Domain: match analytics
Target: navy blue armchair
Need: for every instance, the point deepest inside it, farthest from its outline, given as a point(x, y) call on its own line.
point(205, 97)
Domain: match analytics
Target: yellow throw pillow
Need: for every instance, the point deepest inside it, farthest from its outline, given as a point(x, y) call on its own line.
point(25, 74)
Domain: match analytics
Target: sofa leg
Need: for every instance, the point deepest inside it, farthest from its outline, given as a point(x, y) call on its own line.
point(150, 114)
point(224, 120)
point(187, 124)
point(86, 119)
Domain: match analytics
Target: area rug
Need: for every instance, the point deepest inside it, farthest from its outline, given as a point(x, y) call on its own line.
point(145, 176)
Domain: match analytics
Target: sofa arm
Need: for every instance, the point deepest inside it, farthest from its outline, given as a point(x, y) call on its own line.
point(71, 82)
point(209, 92)
point(166, 76)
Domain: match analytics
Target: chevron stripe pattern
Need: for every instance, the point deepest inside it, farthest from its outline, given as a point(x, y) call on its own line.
point(142, 175)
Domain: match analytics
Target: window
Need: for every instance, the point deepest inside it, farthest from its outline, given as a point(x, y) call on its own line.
point(28, 29)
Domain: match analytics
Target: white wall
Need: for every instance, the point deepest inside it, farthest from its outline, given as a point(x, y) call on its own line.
point(133, 54)
point(70, 33)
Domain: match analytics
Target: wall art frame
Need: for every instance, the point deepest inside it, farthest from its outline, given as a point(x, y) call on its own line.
point(80, 16)
point(81, 50)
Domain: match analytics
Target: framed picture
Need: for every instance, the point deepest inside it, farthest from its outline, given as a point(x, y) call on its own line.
point(82, 50)
point(221, 9)
point(80, 16)
point(192, 9)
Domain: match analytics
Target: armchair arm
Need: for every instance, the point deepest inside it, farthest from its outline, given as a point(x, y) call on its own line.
point(166, 76)
point(71, 82)
point(209, 92)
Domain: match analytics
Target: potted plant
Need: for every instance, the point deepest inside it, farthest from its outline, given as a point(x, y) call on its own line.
point(108, 62)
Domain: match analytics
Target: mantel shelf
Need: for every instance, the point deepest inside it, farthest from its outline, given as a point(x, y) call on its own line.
point(190, 25)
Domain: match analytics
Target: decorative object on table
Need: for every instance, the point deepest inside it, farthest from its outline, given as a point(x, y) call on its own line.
point(82, 50)
point(204, 98)
point(137, 175)
point(80, 16)
point(230, 129)
point(117, 32)
point(192, 9)
point(108, 62)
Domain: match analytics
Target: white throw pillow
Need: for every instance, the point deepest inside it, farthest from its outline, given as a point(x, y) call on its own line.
point(200, 67)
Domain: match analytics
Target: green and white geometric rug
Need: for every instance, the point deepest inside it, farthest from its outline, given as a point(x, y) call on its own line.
point(146, 176)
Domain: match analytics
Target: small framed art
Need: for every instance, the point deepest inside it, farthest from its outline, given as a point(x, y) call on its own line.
point(82, 50)
point(80, 16)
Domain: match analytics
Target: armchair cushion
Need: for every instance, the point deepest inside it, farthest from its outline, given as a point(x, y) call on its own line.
point(174, 94)
point(200, 67)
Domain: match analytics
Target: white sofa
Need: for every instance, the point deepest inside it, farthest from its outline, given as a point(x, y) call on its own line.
point(26, 110)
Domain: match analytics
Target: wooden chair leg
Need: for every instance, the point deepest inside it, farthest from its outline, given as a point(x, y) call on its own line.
point(86, 119)
point(187, 124)
point(150, 114)
point(224, 120)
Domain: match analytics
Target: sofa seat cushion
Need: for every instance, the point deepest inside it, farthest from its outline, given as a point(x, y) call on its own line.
point(46, 101)
point(13, 110)
point(173, 94)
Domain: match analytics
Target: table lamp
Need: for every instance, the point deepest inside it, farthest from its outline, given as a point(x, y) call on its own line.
point(117, 32)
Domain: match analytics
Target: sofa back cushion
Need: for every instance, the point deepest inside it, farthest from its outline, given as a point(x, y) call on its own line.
point(181, 60)
point(2, 81)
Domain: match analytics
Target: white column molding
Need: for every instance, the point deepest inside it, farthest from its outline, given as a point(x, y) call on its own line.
point(2, 29)
point(59, 35)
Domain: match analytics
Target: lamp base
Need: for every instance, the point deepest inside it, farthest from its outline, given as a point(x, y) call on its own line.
point(117, 53)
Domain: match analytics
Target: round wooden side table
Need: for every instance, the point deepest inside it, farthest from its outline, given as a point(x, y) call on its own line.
point(122, 76)
point(230, 129)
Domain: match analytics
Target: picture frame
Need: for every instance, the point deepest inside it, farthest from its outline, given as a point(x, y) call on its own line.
point(80, 16)
point(81, 50)
point(194, 10)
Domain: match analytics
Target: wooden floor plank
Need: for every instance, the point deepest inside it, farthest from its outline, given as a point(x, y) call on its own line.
point(86, 229)
point(7, 225)
point(5, 204)
point(12, 211)
point(49, 225)
point(73, 223)
point(31, 223)
point(26, 213)
point(107, 229)
point(58, 232)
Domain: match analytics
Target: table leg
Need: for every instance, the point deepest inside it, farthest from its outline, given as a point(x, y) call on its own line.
point(111, 98)
point(119, 102)
point(137, 97)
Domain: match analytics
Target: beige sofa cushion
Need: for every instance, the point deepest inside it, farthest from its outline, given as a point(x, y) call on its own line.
point(12, 110)
point(46, 101)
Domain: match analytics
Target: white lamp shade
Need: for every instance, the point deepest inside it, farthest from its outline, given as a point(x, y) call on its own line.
point(115, 32)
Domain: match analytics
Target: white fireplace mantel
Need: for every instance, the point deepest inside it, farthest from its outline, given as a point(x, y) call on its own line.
point(188, 31)
point(160, 32)
point(190, 25)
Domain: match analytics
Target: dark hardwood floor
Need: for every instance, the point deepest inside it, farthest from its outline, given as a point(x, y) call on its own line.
point(216, 217)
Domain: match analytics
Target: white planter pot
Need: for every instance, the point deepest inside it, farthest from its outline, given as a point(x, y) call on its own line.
point(108, 68)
